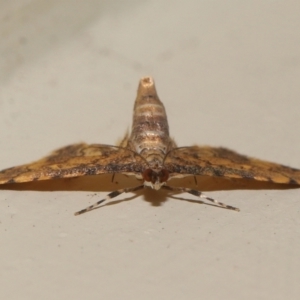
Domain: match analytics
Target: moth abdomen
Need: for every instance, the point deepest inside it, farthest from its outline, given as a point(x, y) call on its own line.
point(150, 129)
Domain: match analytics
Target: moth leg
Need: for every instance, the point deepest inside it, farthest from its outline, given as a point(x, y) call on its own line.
point(108, 197)
point(200, 195)
point(113, 177)
point(195, 179)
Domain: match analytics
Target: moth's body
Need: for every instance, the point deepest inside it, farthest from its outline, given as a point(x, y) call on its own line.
point(151, 155)
point(150, 132)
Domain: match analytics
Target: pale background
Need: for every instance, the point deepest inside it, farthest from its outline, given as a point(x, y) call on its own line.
point(228, 73)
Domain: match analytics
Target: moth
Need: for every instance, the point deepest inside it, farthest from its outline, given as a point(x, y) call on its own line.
point(149, 154)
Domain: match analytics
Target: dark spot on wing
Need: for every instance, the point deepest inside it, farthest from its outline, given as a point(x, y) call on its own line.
point(292, 181)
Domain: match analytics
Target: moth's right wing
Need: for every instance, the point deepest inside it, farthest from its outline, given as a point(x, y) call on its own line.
point(222, 162)
point(74, 161)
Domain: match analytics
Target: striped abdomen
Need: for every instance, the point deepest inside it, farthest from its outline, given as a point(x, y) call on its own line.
point(150, 129)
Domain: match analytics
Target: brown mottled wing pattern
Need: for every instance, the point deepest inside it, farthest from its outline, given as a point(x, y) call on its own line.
point(222, 162)
point(74, 161)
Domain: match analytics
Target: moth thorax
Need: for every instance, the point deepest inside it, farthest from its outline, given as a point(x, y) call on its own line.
point(149, 134)
point(155, 179)
point(154, 157)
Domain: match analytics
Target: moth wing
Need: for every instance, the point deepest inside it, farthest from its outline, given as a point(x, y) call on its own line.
point(74, 161)
point(222, 162)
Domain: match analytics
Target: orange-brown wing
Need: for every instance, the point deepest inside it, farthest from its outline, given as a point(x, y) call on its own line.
point(74, 161)
point(210, 161)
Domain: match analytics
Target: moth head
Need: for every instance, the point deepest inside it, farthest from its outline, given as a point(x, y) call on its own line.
point(155, 179)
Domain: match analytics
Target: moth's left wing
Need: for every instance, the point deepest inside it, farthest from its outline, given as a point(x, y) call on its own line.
point(74, 161)
point(222, 162)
